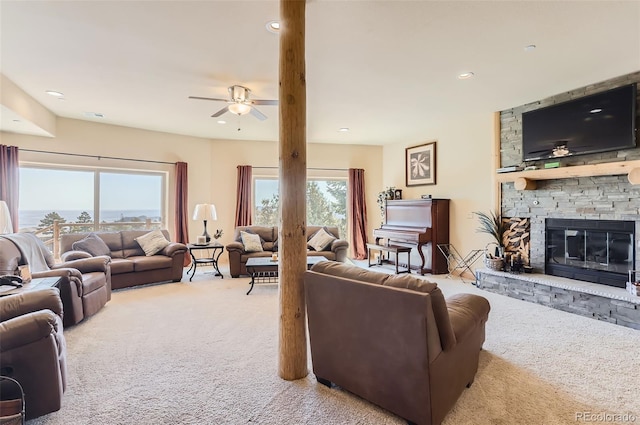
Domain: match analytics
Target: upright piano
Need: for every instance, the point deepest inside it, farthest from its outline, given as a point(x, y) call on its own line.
point(421, 224)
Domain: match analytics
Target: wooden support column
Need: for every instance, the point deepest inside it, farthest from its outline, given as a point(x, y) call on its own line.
point(292, 245)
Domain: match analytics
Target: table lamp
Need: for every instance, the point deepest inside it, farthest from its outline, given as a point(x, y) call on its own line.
point(205, 212)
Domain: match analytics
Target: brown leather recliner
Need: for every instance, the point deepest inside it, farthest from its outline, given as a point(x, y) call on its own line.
point(393, 340)
point(85, 285)
point(33, 348)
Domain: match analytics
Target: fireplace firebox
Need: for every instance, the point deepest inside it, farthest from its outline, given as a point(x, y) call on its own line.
point(599, 251)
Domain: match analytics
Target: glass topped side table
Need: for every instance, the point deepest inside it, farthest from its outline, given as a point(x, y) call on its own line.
point(214, 251)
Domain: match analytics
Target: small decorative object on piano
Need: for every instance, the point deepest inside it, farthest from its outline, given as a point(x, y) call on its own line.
point(633, 284)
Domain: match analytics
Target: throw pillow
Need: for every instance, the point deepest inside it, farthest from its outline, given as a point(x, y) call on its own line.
point(91, 244)
point(152, 242)
point(321, 240)
point(251, 242)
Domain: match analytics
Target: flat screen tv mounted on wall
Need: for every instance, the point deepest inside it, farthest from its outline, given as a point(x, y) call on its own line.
point(600, 122)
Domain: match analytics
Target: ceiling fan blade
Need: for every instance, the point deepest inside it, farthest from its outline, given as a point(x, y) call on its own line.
point(258, 114)
point(208, 98)
point(263, 102)
point(220, 112)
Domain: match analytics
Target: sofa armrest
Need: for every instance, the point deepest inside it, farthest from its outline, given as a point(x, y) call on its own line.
point(27, 302)
point(28, 328)
point(74, 255)
point(173, 249)
point(87, 265)
point(340, 247)
point(235, 247)
point(466, 312)
point(59, 271)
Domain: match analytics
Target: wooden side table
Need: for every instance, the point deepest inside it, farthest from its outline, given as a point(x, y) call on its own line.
point(214, 251)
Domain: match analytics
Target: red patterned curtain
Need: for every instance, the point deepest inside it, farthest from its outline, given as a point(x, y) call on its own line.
point(9, 176)
point(243, 200)
point(182, 207)
point(357, 213)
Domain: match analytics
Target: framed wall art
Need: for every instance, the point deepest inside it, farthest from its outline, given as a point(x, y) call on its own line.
point(421, 164)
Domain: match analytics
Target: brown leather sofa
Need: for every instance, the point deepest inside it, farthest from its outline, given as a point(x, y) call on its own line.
point(393, 340)
point(129, 264)
point(269, 234)
point(33, 349)
point(85, 285)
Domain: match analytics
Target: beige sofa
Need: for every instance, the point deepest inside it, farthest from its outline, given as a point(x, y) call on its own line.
point(269, 234)
point(129, 264)
point(393, 340)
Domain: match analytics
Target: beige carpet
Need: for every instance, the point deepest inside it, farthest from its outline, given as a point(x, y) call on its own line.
point(205, 353)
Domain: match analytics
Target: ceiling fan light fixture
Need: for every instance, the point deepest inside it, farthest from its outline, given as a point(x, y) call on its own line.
point(240, 108)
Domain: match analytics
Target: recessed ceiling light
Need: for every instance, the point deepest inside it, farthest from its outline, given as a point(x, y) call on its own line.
point(93, 115)
point(273, 26)
point(529, 48)
point(54, 93)
point(465, 75)
point(595, 111)
point(344, 129)
point(221, 122)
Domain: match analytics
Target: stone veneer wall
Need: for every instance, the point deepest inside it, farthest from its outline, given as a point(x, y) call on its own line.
point(604, 197)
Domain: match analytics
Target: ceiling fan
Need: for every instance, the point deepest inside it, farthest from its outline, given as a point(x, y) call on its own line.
point(239, 103)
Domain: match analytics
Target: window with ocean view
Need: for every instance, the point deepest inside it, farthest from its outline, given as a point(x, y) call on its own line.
point(84, 200)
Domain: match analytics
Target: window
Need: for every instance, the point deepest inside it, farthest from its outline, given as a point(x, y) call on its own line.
point(90, 199)
point(326, 203)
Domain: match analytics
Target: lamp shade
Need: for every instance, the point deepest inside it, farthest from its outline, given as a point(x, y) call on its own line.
point(205, 212)
point(240, 108)
point(5, 219)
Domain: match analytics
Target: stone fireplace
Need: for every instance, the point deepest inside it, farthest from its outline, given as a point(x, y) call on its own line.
point(599, 251)
point(575, 249)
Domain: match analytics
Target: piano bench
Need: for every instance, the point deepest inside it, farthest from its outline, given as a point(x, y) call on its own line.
point(395, 249)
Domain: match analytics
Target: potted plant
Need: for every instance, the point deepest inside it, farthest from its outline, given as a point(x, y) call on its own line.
point(388, 193)
point(493, 225)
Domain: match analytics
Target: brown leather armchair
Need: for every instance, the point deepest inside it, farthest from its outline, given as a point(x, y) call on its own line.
point(33, 349)
point(393, 340)
point(85, 285)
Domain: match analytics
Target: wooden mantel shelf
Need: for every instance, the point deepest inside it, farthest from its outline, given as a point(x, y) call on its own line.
point(526, 180)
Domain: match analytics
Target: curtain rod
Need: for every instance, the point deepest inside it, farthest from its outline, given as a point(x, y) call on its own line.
point(98, 156)
point(309, 168)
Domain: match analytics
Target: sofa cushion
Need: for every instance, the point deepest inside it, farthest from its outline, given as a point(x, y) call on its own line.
point(121, 265)
point(266, 233)
point(92, 244)
point(153, 242)
point(154, 262)
point(92, 281)
point(321, 240)
point(251, 242)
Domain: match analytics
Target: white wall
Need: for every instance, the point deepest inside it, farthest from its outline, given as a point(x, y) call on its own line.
point(211, 163)
point(465, 173)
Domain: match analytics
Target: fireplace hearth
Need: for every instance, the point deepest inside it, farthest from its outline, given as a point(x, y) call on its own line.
point(599, 251)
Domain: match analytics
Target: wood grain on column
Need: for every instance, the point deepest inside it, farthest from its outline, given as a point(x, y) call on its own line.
point(292, 243)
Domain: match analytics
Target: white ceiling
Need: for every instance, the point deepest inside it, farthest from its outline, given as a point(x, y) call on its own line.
point(385, 69)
